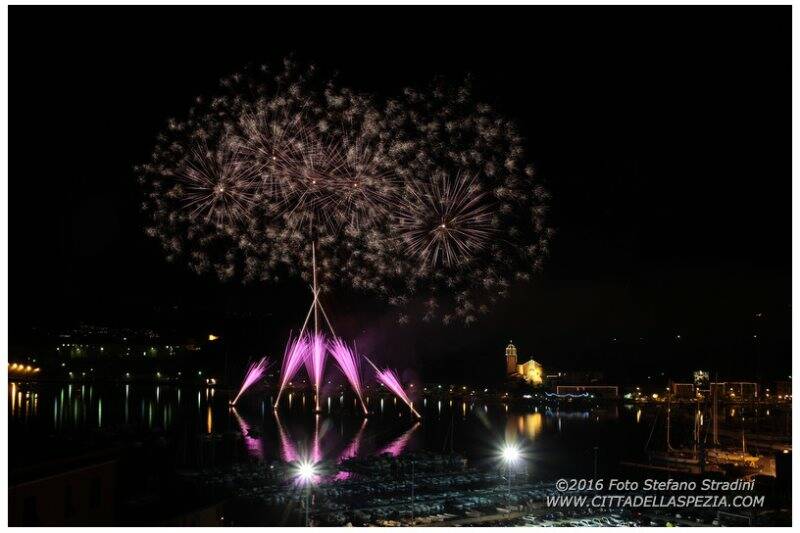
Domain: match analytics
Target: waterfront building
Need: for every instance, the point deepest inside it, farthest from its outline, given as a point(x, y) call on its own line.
point(683, 391)
point(531, 371)
point(596, 391)
point(735, 390)
point(783, 389)
point(511, 359)
point(701, 379)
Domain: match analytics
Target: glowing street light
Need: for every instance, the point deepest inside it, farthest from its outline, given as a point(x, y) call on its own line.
point(306, 471)
point(511, 455)
point(306, 474)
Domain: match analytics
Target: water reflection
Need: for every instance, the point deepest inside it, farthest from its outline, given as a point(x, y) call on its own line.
point(288, 451)
point(532, 425)
point(472, 426)
point(355, 445)
point(253, 442)
point(397, 446)
point(316, 450)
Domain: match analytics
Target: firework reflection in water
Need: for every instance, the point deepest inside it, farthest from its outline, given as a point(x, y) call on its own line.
point(397, 446)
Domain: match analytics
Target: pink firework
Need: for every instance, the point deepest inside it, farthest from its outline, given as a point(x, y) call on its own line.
point(391, 381)
point(254, 373)
point(349, 364)
point(315, 358)
point(293, 357)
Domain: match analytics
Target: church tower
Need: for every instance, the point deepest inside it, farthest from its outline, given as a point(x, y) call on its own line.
point(511, 358)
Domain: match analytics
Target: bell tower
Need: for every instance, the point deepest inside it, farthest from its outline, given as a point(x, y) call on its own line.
point(511, 358)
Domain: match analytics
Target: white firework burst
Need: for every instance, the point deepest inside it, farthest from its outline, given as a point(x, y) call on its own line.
point(445, 221)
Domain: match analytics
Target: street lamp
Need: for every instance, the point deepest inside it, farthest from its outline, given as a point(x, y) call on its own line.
point(306, 474)
point(511, 455)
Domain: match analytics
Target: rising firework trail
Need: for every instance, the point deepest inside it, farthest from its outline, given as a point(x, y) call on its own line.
point(254, 373)
point(348, 362)
point(391, 381)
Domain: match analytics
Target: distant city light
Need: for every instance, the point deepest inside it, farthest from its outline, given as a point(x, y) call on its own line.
point(212, 337)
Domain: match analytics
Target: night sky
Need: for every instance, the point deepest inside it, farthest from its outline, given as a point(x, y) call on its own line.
point(663, 134)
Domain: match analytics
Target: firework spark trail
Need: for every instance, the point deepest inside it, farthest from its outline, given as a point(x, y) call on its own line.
point(396, 447)
point(390, 379)
point(348, 362)
point(316, 356)
point(254, 373)
point(293, 358)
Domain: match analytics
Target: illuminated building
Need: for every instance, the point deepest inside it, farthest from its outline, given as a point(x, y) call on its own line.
point(684, 391)
point(701, 379)
point(531, 371)
point(511, 359)
point(735, 390)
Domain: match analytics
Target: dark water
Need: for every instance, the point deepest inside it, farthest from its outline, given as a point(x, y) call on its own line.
point(48, 421)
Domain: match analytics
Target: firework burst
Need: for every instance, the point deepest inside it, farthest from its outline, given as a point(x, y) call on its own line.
point(445, 221)
point(214, 187)
point(425, 200)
